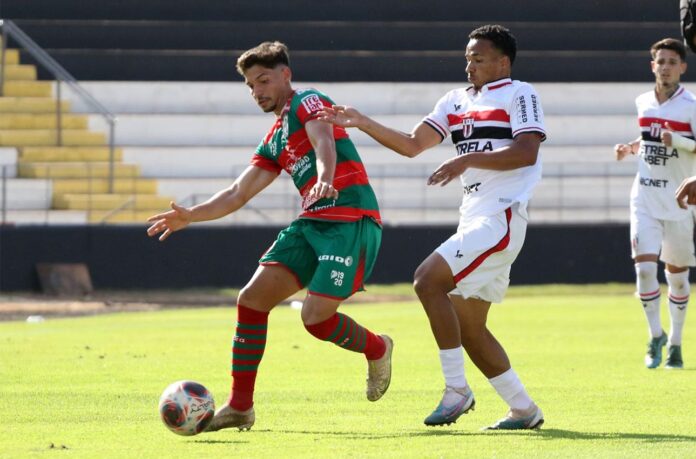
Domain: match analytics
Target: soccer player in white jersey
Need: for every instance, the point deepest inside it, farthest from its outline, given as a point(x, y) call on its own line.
point(496, 125)
point(659, 225)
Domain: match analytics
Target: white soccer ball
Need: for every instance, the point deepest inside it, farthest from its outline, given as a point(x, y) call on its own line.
point(186, 407)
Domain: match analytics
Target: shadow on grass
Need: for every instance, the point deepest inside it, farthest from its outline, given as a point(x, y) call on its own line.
point(546, 434)
point(224, 442)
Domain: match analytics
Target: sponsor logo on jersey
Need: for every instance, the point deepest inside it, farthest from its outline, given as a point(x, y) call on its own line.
point(348, 261)
point(312, 103)
point(471, 188)
point(657, 155)
point(474, 145)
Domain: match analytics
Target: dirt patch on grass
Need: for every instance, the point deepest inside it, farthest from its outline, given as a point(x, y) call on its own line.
point(20, 306)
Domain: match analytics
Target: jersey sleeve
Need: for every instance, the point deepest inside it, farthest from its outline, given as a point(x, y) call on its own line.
point(437, 119)
point(262, 159)
point(308, 104)
point(526, 114)
point(693, 121)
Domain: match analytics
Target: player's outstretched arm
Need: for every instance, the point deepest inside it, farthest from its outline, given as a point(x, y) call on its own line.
point(686, 193)
point(410, 145)
point(224, 202)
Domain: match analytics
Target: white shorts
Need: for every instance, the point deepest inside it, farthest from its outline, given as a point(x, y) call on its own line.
point(481, 253)
point(673, 240)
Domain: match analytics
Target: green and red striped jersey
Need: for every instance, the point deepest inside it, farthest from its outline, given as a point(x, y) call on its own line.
point(287, 147)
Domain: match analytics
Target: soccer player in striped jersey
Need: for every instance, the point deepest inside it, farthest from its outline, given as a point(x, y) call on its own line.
point(330, 249)
point(496, 125)
point(659, 225)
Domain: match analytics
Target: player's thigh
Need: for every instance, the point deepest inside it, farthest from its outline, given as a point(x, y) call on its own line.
point(269, 285)
point(346, 254)
point(292, 252)
point(472, 313)
point(678, 243)
point(480, 254)
point(646, 233)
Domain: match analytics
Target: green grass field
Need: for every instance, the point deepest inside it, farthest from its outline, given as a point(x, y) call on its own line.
point(90, 386)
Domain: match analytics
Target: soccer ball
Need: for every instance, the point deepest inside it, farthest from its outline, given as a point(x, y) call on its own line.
point(186, 407)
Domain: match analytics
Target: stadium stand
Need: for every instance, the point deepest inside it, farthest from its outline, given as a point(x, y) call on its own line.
point(187, 126)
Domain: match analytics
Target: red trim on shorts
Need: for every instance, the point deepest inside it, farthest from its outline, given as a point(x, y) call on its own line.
point(359, 274)
point(331, 297)
point(501, 245)
point(286, 267)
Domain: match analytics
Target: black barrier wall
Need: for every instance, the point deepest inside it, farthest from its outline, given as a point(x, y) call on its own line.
point(124, 257)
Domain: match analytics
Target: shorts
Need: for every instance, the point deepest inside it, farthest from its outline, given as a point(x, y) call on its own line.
point(331, 259)
point(673, 240)
point(482, 251)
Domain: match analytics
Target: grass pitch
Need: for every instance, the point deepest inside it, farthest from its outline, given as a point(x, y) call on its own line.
point(89, 387)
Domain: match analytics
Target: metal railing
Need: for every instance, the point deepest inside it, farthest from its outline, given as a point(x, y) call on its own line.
point(11, 30)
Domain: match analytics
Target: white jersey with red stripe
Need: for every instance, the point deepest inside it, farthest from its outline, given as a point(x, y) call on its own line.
point(484, 121)
point(660, 168)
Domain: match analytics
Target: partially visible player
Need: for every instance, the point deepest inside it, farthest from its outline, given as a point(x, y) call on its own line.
point(659, 225)
point(687, 16)
point(686, 193)
point(330, 249)
point(496, 126)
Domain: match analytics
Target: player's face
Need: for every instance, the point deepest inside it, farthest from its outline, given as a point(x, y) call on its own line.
point(270, 88)
point(485, 63)
point(667, 67)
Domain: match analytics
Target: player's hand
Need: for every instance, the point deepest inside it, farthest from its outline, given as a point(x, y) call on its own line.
point(448, 171)
point(686, 193)
point(321, 190)
point(170, 221)
point(622, 150)
point(341, 115)
point(666, 135)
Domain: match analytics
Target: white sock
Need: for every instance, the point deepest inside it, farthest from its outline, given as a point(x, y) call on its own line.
point(452, 362)
point(678, 299)
point(649, 293)
point(510, 389)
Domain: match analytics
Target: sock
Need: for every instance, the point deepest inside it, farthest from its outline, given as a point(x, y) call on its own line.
point(247, 350)
point(452, 363)
point(678, 299)
point(649, 293)
point(510, 389)
point(346, 333)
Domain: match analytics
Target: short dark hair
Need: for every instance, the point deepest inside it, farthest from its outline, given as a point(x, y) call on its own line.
point(501, 38)
point(269, 54)
point(669, 43)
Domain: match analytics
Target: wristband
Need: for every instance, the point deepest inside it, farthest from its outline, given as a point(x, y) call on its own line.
point(683, 143)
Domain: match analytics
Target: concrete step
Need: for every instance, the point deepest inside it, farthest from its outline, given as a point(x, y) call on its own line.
point(99, 201)
point(49, 137)
point(11, 55)
point(76, 170)
point(46, 217)
point(124, 217)
point(23, 88)
point(26, 194)
point(244, 130)
point(372, 98)
point(41, 121)
point(91, 185)
point(72, 153)
point(20, 72)
point(32, 105)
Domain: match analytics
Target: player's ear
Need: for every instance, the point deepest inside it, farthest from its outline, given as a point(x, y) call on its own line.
point(287, 73)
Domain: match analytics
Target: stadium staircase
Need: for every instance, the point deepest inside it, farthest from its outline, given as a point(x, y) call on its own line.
point(72, 160)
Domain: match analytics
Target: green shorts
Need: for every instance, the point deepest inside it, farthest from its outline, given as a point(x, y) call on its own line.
point(331, 259)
